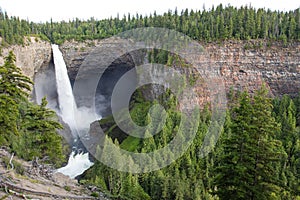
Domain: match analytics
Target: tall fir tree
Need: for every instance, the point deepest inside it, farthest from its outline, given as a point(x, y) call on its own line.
point(14, 88)
point(247, 167)
point(28, 129)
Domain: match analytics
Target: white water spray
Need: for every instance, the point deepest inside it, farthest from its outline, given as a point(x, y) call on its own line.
point(78, 163)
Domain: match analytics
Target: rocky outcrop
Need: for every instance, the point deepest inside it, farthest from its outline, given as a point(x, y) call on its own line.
point(101, 64)
point(245, 65)
point(86, 54)
point(32, 56)
point(242, 64)
point(28, 181)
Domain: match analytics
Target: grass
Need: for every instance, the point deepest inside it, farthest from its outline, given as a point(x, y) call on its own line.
point(130, 143)
point(19, 169)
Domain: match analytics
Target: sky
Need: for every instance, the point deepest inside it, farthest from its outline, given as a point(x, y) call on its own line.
point(58, 10)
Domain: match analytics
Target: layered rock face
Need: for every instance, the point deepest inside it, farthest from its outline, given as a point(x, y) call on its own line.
point(97, 66)
point(245, 65)
point(86, 55)
point(241, 64)
point(31, 57)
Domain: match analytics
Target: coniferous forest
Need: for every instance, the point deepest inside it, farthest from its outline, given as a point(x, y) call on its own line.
point(256, 157)
point(220, 23)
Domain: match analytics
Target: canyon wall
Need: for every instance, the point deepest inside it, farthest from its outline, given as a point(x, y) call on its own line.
point(31, 57)
point(241, 64)
point(244, 65)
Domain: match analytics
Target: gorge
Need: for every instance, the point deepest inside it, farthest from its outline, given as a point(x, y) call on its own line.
point(198, 104)
point(242, 64)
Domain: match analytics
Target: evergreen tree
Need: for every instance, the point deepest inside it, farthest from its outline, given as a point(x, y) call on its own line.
point(14, 87)
point(8, 118)
point(29, 129)
point(246, 168)
point(13, 83)
point(206, 25)
point(39, 132)
point(285, 109)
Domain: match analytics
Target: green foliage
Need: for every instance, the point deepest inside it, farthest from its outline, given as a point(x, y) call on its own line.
point(39, 136)
point(166, 58)
point(257, 155)
point(67, 188)
point(95, 194)
point(286, 112)
point(13, 83)
point(28, 129)
point(8, 118)
point(248, 166)
point(177, 181)
point(119, 185)
point(130, 144)
point(218, 23)
point(14, 88)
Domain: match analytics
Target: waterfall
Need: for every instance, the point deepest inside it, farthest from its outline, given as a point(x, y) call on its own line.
point(69, 112)
point(67, 105)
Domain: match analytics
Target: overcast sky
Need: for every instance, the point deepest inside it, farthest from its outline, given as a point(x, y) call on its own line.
point(41, 10)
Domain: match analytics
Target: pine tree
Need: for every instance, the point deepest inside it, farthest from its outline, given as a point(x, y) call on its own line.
point(246, 168)
point(268, 151)
point(38, 134)
point(14, 87)
point(8, 118)
point(13, 83)
point(289, 136)
point(29, 129)
point(231, 178)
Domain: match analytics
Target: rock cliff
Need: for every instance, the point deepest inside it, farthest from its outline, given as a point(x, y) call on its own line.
point(32, 56)
point(242, 64)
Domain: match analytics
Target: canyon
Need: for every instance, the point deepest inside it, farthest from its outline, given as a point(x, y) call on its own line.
point(241, 64)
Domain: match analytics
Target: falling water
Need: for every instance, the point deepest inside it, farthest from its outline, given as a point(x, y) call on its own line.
point(66, 99)
point(78, 163)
